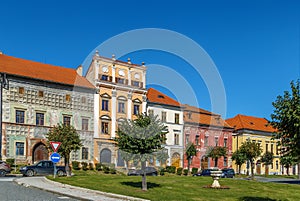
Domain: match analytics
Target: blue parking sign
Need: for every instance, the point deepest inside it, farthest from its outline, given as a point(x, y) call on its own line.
point(55, 157)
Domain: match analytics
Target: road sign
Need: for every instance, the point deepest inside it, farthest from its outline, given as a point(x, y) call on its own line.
point(55, 157)
point(55, 145)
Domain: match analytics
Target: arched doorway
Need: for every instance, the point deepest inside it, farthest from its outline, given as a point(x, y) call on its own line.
point(105, 156)
point(176, 160)
point(40, 152)
point(204, 162)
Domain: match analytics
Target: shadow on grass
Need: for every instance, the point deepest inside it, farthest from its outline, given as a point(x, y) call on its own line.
point(139, 184)
point(249, 198)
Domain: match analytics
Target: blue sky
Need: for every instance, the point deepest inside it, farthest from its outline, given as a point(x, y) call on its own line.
point(253, 44)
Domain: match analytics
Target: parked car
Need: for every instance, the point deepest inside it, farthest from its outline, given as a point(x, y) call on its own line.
point(228, 173)
point(42, 168)
point(4, 168)
point(150, 171)
point(204, 172)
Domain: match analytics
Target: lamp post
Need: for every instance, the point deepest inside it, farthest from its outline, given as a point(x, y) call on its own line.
point(4, 85)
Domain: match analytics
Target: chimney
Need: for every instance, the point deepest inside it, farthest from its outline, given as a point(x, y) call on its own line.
point(129, 61)
point(79, 70)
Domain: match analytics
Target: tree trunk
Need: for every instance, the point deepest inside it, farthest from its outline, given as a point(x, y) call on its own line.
point(189, 163)
point(216, 162)
point(298, 170)
point(288, 170)
point(239, 169)
point(67, 165)
point(144, 181)
point(267, 170)
point(252, 170)
point(127, 165)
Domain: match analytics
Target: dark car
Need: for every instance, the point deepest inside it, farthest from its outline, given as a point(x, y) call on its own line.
point(42, 168)
point(150, 171)
point(204, 172)
point(228, 173)
point(4, 168)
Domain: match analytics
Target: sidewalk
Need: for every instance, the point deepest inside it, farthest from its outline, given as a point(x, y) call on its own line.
point(72, 191)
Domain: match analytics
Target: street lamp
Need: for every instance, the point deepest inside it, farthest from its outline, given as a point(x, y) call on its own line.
point(4, 84)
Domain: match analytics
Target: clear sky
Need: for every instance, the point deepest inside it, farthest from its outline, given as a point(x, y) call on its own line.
point(253, 44)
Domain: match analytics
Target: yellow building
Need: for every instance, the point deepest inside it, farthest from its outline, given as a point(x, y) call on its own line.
point(257, 130)
point(122, 95)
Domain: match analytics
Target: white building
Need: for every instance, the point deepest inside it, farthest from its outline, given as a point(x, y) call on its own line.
point(170, 113)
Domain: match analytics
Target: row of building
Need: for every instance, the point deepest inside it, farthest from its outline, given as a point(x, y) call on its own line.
point(39, 96)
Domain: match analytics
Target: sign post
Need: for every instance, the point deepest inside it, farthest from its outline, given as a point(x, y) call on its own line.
point(55, 157)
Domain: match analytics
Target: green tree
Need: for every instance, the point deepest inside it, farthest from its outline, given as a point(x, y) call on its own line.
point(190, 152)
point(216, 152)
point(239, 158)
point(126, 157)
point(141, 137)
point(287, 161)
point(252, 151)
point(70, 141)
point(267, 159)
point(162, 156)
point(286, 120)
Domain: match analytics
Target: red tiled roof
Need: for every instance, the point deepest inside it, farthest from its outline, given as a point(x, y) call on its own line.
point(31, 69)
point(251, 123)
point(200, 116)
point(155, 96)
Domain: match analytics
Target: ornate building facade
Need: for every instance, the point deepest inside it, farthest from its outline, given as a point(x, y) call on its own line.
point(170, 113)
point(122, 95)
point(39, 97)
point(205, 129)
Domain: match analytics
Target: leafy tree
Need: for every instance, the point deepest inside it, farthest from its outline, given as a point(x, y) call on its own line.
point(216, 152)
point(126, 157)
point(141, 137)
point(252, 151)
point(239, 158)
point(162, 156)
point(286, 119)
point(70, 141)
point(287, 161)
point(190, 152)
point(267, 159)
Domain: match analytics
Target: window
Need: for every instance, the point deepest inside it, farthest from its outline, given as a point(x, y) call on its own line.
point(104, 104)
point(104, 127)
point(225, 161)
point(21, 90)
point(150, 112)
point(85, 124)
point(225, 142)
point(68, 97)
point(83, 99)
point(267, 147)
point(206, 141)
point(41, 94)
point(277, 150)
point(187, 139)
point(176, 139)
point(164, 116)
point(272, 148)
point(121, 107)
point(120, 80)
point(216, 141)
point(176, 118)
point(39, 119)
point(136, 83)
point(85, 153)
point(136, 109)
point(197, 140)
point(272, 165)
point(20, 116)
point(67, 120)
point(277, 165)
point(20, 148)
point(104, 77)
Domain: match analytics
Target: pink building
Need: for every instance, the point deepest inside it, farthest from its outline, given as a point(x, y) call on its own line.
point(206, 129)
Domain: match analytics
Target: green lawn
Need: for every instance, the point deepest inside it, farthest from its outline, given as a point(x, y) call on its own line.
point(172, 187)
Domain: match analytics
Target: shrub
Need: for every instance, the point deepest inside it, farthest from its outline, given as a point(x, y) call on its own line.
point(91, 166)
point(168, 169)
point(185, 172)
point(105, 169)
point(10, 161)
point(179, 171)
point(99, 166)
point(162, 171)
point(173, 169)
point(75, 165)
point(112, 171)
point(84, 166)
point(194, 170)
